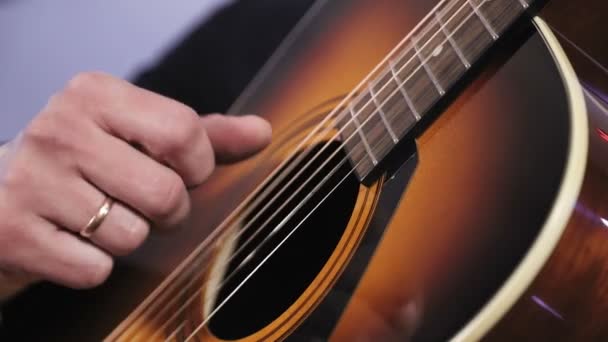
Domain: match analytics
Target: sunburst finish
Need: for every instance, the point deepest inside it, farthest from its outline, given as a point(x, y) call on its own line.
point(428, 245)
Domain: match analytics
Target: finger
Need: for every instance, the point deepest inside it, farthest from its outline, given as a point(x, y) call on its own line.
point(69, 201)
point(121, 232)
point(57, 255)
point(130, 177)
point(167, 130)
point(236, 138)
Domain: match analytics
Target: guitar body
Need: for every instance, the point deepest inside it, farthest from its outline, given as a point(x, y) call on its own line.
point(488, 225)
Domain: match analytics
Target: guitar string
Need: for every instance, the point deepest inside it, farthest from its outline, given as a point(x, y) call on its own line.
point(582, 51)
point(223, 303)
point(252, 254)
point(257, 195)
point(468, 16)
point(216, 310)
point(364, 124)
point(192, 280)
point(201, 251)
point(222, 227)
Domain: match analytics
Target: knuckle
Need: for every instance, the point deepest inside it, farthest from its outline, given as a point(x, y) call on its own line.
point(15, 178)
point(56, 135)
point(168, 199)
point(183, 131)
point(57, 100)
point(41, 130)
point(185, 113)
point(52, 129)
point(84, 81)
point(132, 237)
point(207, 168)
point(95, 273)
point(61, 106)
point(60, 127)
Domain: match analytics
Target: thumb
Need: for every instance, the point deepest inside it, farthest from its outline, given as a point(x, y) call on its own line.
point(235, 138)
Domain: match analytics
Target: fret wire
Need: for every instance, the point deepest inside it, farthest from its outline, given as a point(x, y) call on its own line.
point(448, 35)
point(428, 69)
point(383, 115)
point(397, 78)
point(362, 136)
point(524, 4)
point(484, 21)
point(403, 92)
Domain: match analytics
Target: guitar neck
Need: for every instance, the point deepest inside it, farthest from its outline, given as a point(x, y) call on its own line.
point(419, 72)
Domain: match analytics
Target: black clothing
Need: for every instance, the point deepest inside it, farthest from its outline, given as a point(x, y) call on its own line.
point(212, 66)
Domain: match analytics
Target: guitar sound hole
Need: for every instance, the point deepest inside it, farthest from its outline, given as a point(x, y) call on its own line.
point(287, 273)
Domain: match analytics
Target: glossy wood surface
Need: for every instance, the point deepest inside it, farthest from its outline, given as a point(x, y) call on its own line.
point(487, 174)
point(568, 301)
point(581, 27)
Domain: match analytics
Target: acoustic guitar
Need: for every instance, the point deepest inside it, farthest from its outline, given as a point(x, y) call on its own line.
point(438, 172)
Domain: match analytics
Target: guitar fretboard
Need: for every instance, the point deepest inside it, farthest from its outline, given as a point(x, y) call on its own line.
point(425, 65)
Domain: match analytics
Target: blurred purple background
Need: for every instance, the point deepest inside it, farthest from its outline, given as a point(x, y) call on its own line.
point(43, 43)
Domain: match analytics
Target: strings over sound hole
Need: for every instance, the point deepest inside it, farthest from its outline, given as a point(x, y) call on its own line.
point(285, 242)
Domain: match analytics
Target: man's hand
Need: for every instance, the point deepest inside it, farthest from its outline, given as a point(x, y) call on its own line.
point(102, 137)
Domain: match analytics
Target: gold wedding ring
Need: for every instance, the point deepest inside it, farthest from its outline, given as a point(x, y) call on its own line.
point(97, 220)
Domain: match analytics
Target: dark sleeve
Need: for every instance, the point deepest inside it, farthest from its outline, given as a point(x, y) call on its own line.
point(216, 61)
